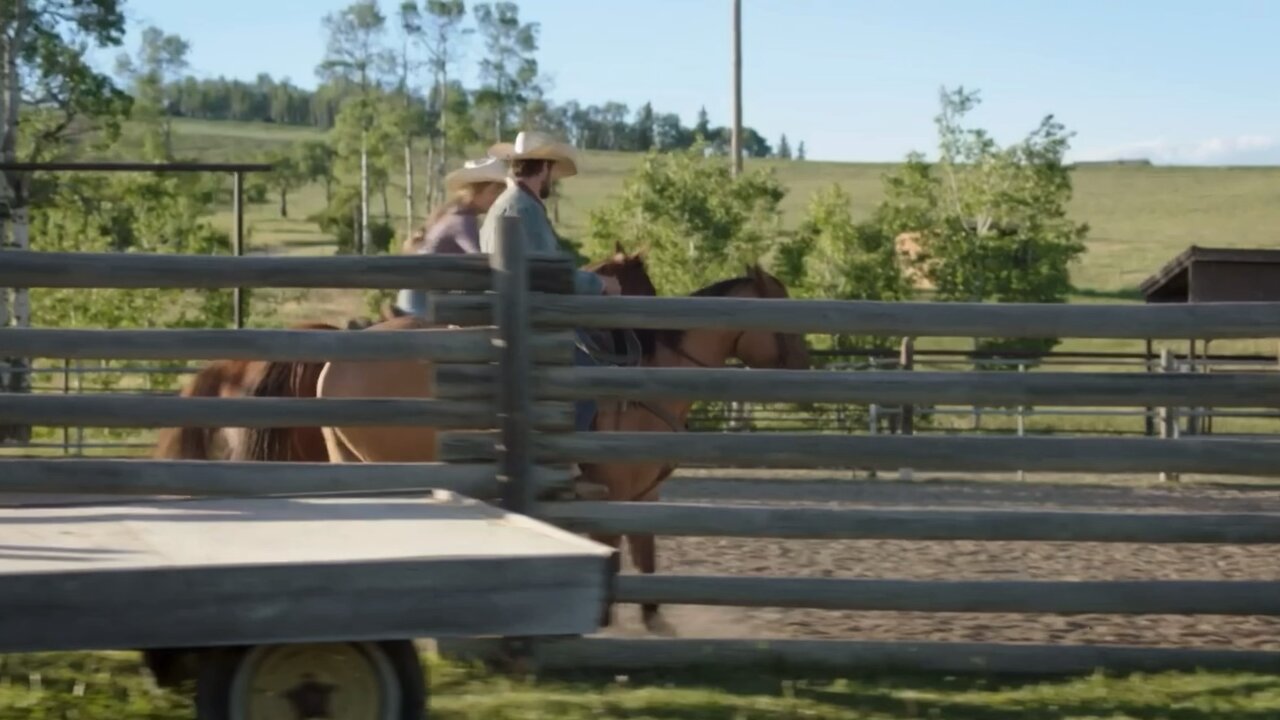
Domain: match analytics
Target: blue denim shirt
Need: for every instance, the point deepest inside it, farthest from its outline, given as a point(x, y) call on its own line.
point(516, 201)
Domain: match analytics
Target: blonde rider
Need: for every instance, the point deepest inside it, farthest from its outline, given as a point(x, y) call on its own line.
point(454, 227)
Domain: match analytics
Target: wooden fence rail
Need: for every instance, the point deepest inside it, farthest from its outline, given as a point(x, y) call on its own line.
point(848, 657)
point(825, 523)
point(474, 345)
point(107, 410)
point(900, 387)
point(1128, 597)
point(1244, 320)
point(944, 454)
point(30, 269)
point(202, 478)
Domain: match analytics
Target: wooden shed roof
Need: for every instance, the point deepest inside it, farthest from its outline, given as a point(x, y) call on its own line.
point(1173, 275)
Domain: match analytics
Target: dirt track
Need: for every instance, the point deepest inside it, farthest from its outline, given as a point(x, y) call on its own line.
point(969, 560)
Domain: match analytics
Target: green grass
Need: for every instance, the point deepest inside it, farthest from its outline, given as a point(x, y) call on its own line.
point(89, 686)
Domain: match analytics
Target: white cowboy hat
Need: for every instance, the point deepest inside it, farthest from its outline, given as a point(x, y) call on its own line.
point(535, 145)
point(488, 170)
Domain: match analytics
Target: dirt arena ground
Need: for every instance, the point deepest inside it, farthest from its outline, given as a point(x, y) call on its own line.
point(966, 561)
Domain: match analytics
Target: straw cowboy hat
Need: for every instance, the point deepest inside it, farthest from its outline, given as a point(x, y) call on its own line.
point(534, 145)
point(488, 170)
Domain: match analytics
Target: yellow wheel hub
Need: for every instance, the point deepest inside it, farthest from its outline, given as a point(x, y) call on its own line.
point(323, 681)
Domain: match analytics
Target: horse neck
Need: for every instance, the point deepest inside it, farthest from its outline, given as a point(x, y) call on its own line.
point(697, 348)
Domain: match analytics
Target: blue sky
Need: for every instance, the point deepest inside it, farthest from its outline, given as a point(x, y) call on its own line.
point(1178, 81)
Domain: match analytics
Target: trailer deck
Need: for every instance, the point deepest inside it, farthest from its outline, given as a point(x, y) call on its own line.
point(240, 571)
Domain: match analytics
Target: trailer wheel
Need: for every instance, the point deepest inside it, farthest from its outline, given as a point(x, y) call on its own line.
point(336, 681)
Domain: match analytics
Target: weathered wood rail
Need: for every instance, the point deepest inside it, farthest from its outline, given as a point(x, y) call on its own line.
point(462, 345)
point(880, 657)
point(824, 523)
point(107, 410)
point(1254, 458)
point(197, 478)
point(1114, 597)
point(138, 270)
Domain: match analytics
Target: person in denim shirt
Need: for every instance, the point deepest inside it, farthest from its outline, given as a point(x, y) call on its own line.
point(537, 160)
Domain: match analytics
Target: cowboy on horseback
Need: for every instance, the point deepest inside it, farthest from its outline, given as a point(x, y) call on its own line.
point(536, 161)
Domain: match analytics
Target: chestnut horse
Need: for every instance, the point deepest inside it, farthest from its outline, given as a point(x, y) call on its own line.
point(625, 482)
point(235, 378)
point(226, 379)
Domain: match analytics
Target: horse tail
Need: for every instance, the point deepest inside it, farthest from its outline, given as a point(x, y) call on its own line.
point(194, 443)
point(285, 444)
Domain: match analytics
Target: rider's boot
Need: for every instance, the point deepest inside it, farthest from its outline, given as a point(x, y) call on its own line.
point(584, 489)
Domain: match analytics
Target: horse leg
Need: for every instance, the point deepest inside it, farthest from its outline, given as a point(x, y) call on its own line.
point(644, 556)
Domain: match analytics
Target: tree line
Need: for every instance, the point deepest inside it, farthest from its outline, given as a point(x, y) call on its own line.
point(611, 126)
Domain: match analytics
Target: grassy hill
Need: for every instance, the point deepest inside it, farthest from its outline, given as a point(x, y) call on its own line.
point(1140, 216)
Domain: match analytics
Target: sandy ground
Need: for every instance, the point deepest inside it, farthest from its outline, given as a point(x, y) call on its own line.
point(967, 560)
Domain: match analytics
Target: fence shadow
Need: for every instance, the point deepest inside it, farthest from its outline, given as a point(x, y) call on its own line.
point(970, 697)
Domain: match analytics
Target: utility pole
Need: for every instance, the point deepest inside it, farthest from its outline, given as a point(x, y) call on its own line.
point(736, 137)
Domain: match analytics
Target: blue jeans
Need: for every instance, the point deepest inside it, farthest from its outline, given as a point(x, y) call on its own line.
point(412, 301)
point(584, 411)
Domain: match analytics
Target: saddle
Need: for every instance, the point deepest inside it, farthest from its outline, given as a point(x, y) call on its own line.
point(614, 348)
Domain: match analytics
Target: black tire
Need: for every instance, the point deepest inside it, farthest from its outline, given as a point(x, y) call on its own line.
point(222, 673)
point(172, 668)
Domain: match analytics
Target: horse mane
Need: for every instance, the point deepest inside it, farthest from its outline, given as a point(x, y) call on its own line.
point(632, 274)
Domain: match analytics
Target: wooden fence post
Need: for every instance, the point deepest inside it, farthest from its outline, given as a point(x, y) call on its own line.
point(510, 267)
point(1168, 416)
point(511, 315)
point(906, 417)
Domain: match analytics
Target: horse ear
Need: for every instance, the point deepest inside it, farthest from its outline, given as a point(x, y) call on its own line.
point(617, 247)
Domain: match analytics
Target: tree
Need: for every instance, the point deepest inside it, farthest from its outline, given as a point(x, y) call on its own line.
point(314, 159)
point(644, 128)
point(459, 133)
point(286, 175)
point(510, 71)
point(438, 29)
point(699, 223)
point(160, 60)
point(800, 151)
point(784, 148)
point(703, 127)
point(50, 93)
point(368, 151)
point(992, 221)
point(354, 52)
point(831, 255)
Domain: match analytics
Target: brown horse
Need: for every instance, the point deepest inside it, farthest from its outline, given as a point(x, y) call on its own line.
point(226, 379)
point(627, 482)
point(235, 378)
point(708, 348)
point(299, 379)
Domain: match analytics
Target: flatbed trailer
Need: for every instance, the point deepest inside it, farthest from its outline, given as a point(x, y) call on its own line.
point(282, 607)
